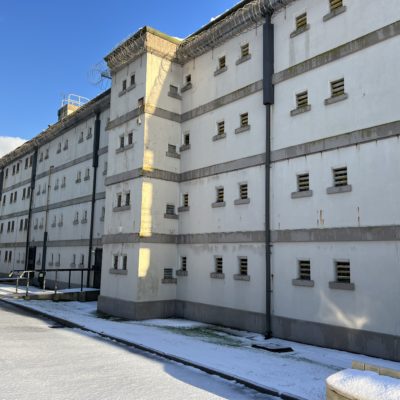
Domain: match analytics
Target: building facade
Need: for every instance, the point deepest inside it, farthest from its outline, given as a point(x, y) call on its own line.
point(245, 176)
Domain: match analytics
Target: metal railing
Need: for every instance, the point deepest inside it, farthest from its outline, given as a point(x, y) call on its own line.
point(27, 275)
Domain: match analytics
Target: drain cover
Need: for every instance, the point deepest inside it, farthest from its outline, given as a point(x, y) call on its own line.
point(273, 348)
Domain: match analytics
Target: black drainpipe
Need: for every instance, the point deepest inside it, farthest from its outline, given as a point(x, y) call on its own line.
point(268, 98)
point(32, 189)
point(96, 144)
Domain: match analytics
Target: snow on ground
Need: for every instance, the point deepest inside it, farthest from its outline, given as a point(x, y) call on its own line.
point(10, 289)
point(302, 372)
point(40, 362)
point(365, 385)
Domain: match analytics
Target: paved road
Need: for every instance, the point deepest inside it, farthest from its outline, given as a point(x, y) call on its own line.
point(39, 360)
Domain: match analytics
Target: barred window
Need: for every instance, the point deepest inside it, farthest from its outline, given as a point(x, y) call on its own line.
point(183, 263)
point(222, 62)
point(115, 262)
point(340, 177)
point(301, 21)
point(302, 99)
point(218, 265)
point(168, 273)
point(335, 4)
point(337, 88)
point(221, 127)
point(186, 200)
point(244, 120)
point(343, 271)
point(303, 182)
point(304, 270)
point(243, 191)
point(124, 262)
point(220, 195)
point(245, 50)
point(170, 209)
point(243, 266)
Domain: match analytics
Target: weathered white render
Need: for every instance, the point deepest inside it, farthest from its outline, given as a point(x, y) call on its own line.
point(193, 137)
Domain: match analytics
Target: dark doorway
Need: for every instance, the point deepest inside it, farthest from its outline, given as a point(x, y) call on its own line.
point(31, 258)
point(98, 256)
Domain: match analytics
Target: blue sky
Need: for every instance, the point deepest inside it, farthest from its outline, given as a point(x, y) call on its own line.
point(48, 48)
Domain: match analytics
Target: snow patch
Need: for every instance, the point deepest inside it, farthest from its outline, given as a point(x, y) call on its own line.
point(365, 385)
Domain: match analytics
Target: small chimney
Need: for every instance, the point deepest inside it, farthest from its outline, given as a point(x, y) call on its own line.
point(70, 104)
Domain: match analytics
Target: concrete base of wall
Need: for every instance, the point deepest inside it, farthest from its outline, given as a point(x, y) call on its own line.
point(336, 337)
point(239, 319)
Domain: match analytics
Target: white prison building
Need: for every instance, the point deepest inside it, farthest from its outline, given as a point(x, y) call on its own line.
point(245, 176)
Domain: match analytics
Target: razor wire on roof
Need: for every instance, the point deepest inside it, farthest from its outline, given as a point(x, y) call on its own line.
point(243, 19)
point(129, 50)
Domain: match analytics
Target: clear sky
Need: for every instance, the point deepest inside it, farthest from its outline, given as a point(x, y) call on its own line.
point(48, 48)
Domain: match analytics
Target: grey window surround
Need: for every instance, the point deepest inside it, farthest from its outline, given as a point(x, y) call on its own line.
point(301, 110)
point(241, 60)
point(175, 95)
point(114, 271)
point(299, 195)
point(239, 277)
point(173, 155)
point(298, 32)
point(334, 13)
point(239, 202)
point(169, 281)
point(181, 272)
point(187, 87)
point(219, 136)
point(336, 99)
point(130, 87)
point(339, 189)
point(218, 204)
point(171, 216)
point(219, 71)
point(217, 275)
point(183, 208)
point(184, 147)
point(121, 93)
point(303, 282)
point(242, 129)
point(122, 208)
point(122, 149)
point(341, 285)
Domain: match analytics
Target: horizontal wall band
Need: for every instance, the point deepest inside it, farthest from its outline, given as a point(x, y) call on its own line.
point(361, 43)
point(61, 167)
point(200, 238)
point(196, 112)
point(54, 206)
point(354, 138)
point(352, 234)
point(139, 173)
point(229, 166)
point(223, 101)
point(55, 243)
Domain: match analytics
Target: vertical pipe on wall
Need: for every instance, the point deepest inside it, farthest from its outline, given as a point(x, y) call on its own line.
point(268, 99)
point(96, 145)
point(32, 189)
